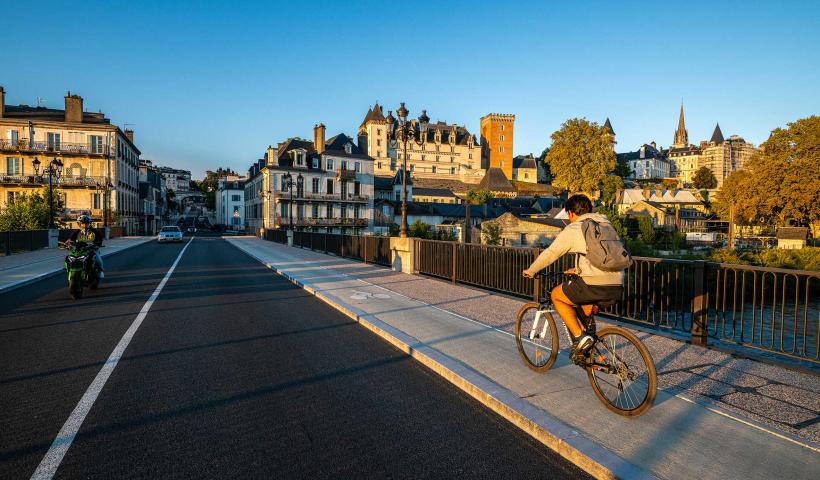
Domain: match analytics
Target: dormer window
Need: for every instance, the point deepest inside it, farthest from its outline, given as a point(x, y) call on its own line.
point(348, 148)
point(315, 163)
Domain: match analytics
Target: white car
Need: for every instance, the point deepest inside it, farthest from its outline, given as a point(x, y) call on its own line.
point(169, 234)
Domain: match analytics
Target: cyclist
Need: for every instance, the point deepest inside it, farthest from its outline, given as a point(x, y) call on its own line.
point(88, 234)
point(586, 285)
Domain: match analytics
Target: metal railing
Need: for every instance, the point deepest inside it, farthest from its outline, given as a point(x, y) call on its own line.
point(62, 181)
point(24, 145)
point(23, 241)
point(323, 197)
point(367, 248)
point(771, 309)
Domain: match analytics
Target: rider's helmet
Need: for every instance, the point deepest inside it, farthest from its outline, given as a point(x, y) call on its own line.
point(84, 220)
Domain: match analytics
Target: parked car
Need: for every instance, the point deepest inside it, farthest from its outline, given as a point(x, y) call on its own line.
point(169, 234)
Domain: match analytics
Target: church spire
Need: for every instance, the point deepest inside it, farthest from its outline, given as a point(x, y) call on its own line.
point(681, 135)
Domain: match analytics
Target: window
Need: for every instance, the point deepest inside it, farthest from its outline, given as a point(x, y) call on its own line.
point(315, 185)
point(379, 142)
point(53, 140)
point(300, 159)
point(95, 200)
point(379, 165)
point(378, 131)
point(357, 167)
point(344, 211)
point(502, 127)
point(235, 198)
point(470, 156)
point(523, 239)
point(14, 166)
point(357, 188)
point(329, 211)
point(329, 164)
point(344, 165)
point(434, 169)
point(526, 175)
point(315, 211)
point(501, 138)
point(95, 143)
point(452, 171)
point(355, 211)
point(14, 137)
point(329, 186)
point(398, 196)
point(412, 167)
point(501, 148)
point(452, 159)
point(437, 158)
point(10, 197)
point(315, 163)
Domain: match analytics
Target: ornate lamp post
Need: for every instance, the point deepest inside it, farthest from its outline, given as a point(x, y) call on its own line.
point(404, 133)
point(287, 182)
point(54, 170)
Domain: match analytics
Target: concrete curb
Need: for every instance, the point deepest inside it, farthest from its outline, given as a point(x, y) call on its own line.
point(53, 273)
point(553, 433)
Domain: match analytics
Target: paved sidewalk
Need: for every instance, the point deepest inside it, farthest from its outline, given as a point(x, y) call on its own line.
point(466, 330)
point(23, 268)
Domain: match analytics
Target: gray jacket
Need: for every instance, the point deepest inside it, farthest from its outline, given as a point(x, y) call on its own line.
point(571, 240)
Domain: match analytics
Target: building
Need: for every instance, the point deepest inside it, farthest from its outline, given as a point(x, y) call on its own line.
point(647, 163)
point(667, 198)
point(153, 211)
point(724, 156)
point(525, 231)
point(176, 180)
point(497, 142)
point(792, 237)
point(324, 185)
point(230, 202)
point(446, 151)
point(525, 169)
point(684, 157)
point(434, 195)
point(609, 131)
point(99, 174)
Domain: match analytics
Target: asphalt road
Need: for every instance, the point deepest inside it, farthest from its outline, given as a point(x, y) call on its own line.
point(234, 373)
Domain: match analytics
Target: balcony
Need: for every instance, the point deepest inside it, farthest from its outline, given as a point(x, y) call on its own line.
point(96, 214)
point(321, 222)
point(322, 197)
point(25, 146)
point(63, 182)
point(345, 174)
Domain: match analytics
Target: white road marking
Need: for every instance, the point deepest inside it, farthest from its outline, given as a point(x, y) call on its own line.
point(48, 466)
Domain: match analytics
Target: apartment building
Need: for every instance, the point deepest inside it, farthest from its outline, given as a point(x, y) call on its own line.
point(154, 209)
point(230, 202)
point(320, 186)
point(648, 162)
point(96, 162)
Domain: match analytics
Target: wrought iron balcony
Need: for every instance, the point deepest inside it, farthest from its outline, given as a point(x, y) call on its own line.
point(320, 222)
point(24, 145)
point(345, 174)
point(61, 182)
point(325, 197)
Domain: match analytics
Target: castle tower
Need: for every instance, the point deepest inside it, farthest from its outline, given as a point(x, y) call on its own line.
point(497, 142)
point(608, 129)
point(681, 135)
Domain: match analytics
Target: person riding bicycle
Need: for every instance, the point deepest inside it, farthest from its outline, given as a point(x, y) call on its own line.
point(86, 233)
point(586, 285)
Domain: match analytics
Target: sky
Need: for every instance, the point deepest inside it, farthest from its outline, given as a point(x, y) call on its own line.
point(210, 84)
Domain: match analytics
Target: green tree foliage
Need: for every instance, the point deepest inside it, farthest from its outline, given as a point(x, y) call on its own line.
point(580, 156)
point(611, 186)
point(420, 229)
point(704, 178)
point(29, 212)
point(492, 233)
point(477, 197)
point(781, 184)
point(670, 183)
point(622, 168)
point(647, 234)
point(542, 160)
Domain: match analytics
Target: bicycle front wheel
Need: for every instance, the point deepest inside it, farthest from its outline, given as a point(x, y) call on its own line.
point(536, 337)
point(623, 372)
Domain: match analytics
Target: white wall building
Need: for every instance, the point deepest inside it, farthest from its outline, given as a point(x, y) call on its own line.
point(648, 162)
point(230, 202)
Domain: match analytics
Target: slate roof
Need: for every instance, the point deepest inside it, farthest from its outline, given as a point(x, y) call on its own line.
point(792, 233)
point(452, 185)
point(432, 192)
point(649, 153)
point(376, 113)
point(495, 181)
point(397, 179)
point(717, 135)
point(608, 127)
point(524, 161)
point(383, 183)
point(534, 189)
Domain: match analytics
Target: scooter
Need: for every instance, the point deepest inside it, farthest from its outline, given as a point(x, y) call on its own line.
point(81, 267)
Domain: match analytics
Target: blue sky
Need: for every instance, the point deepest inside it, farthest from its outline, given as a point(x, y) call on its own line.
point(209, 84)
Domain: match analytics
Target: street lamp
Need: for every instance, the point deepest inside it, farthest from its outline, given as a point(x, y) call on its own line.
point(404, 133)
point(54, 170)
point(287, 183)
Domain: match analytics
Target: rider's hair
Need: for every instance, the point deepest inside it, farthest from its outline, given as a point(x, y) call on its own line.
point(578, 204)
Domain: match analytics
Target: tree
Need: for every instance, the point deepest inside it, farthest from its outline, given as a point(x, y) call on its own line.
point(622, 168)
point(420, 229)
point(492, 233)
point(647, 234)
point(580, 156)
point(670, 183)
point(542, 160)
point(29, 212)
point(477, 197)
point(611, 186)
point(704, 179)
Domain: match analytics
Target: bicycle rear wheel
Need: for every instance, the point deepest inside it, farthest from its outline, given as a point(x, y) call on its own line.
point(536, 337)
point(626, 383)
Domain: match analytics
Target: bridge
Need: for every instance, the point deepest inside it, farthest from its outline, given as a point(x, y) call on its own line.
point(237, 356)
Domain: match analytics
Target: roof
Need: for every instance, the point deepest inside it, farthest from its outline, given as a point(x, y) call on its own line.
point(524, 161)
point(336, 146)
point(398, 178)
point(792, 233)
point(550, 222)
point(632, 195)
point(495, 181)
point(534, 189)
point(383, 183)
point(717, 135)
point(455, 186)
point(649, 152)
point(432, 192)
point(608, 127)
point(373, 114)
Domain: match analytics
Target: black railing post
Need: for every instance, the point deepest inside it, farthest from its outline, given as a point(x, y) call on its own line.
point(342, 244)
point(700, 304)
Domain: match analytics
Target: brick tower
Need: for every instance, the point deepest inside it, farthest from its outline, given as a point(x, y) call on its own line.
point(497, 141)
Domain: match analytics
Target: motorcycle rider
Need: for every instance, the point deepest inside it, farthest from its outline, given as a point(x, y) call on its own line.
point(86, 233)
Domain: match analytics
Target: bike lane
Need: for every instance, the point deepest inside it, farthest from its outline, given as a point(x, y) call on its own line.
point(52, 347)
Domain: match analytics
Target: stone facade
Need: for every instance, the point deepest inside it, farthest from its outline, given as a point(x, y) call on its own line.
point(497, 131)
point(100, 173)
point(525, 232)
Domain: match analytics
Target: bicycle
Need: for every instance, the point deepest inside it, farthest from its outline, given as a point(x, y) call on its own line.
point(616, 362)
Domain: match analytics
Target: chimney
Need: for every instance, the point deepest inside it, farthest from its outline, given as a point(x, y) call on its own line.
point(319, 138)
point(270, 157)
point(73, 108)
point(2, 102)
point(130, 135)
